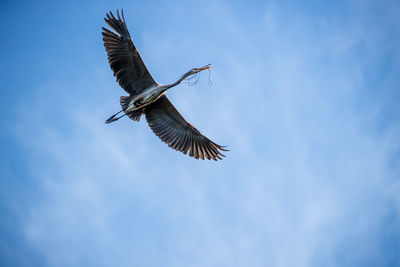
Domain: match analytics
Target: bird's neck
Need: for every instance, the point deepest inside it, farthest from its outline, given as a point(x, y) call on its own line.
point(184, 76)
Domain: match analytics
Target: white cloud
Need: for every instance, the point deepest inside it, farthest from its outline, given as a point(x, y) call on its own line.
point(305, 181)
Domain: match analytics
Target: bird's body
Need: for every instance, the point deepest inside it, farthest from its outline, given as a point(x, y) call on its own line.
point(149, 97)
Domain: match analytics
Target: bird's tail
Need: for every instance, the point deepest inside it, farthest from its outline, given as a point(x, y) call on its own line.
point(125, 101)
point(135, 115)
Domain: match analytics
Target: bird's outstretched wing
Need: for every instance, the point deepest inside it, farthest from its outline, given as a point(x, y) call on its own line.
point(124, 58)
point(174, 130)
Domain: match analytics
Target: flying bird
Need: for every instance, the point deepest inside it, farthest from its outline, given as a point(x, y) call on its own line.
point(148, 97)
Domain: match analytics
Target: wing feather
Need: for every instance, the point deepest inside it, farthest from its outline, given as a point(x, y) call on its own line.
point(177, 133)
point(123, 57)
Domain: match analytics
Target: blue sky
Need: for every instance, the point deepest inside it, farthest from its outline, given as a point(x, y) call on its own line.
point(305, 93)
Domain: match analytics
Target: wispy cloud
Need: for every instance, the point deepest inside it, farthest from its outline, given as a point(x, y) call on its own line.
point(311, 178)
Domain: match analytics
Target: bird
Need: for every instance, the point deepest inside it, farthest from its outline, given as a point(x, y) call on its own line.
point(148, 98)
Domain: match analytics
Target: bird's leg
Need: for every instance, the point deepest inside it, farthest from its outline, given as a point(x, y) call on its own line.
point(115, 119)
point(112, 118)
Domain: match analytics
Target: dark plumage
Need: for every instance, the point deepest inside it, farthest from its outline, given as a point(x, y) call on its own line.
point(132, 75)
point(148, 97)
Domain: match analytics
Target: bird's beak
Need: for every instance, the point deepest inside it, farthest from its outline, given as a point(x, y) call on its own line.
point(205, 67)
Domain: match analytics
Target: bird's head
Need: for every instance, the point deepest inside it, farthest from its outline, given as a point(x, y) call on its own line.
point(191, 72)
point(197, 70)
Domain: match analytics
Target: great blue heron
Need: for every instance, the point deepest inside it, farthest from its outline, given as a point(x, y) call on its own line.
point(148, 97)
